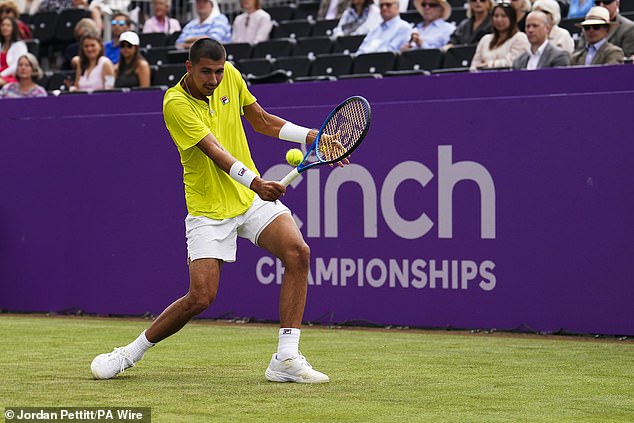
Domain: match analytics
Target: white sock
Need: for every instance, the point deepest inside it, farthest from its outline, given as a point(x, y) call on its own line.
point(288, 344)
point(139, 346)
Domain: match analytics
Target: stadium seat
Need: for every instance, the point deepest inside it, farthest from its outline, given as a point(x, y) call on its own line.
point(33, 46)
point(274, 48)
point(458, 14)
point(570, 25)
point(459, 56)
point(152, 40)
point(347, 44)
point(293, 66)
point(426, 59)
point(177, 56)
point(56, 80)
point(281, 13)
point(171, 39)
point(66, 21)
point(374, 63)
point(156, 55)
point(275, 77)
point(324, 27)
point(237, 51)
point(331, 64)
point(313, 45)
point(169, 74)
point(412, 16)
point(43, 25)
point(292, 29)
point(307, 10)
point(255, 67)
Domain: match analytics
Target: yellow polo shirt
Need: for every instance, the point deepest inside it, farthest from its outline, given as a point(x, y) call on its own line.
point(209, 191)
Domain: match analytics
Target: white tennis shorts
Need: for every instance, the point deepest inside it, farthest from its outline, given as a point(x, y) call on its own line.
point(210, 238)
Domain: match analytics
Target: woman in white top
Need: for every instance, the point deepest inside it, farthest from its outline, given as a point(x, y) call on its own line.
point(93, 70)
point(558, 36)
point(505, 44)
point(253, 25)
point(11, 48)
point(360, 18)
point(161, 22)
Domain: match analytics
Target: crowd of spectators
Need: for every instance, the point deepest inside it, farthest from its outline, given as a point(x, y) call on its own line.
point(509, 34)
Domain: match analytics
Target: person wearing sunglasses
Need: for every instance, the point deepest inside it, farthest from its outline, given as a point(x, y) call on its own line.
point(622, 32)
point(120, 23)
point(558, 36)
point(132, 70)
point(390, 35)
point(579, 8)
point(434, 31)
point(475, 26)
point(543, 54)
point(597, 50)
point(505, 44)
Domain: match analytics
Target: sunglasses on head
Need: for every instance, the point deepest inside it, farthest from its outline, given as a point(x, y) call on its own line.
point(120, 22)
point(600, 2)
point(432, 5)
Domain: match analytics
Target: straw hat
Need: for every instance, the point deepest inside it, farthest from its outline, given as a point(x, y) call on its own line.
point(597, 15)
point(446, 7)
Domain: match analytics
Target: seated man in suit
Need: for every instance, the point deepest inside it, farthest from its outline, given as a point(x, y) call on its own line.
point(598, 50)
point(622, 31)
point(542, 54)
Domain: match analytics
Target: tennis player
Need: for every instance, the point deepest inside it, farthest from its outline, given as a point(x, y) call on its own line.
point(226, 198)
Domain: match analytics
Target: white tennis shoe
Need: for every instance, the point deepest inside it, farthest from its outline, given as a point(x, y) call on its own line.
point(295, 369)
point(107, 366)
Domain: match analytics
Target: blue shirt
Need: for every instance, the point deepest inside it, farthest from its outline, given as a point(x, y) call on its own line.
point(111, 51)
point(436, 34)
point(389, 36)
point(592, 50)
point(576, 10)
point(216, 27)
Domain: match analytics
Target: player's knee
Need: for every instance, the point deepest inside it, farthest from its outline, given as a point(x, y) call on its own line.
point(298, 255)
point(199, 302)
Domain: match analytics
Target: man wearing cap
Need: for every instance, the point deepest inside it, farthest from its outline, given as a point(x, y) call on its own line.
point(622, 32)
point(597, 50)
point(542, 54)
point(207, 25)
point(434, 31)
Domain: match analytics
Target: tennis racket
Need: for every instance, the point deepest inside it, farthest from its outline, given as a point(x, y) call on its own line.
point(341, 133)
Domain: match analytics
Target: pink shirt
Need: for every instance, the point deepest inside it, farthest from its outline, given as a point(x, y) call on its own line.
point(168, 26)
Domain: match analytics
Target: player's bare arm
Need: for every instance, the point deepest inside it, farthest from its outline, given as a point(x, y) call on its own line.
point(266, 190)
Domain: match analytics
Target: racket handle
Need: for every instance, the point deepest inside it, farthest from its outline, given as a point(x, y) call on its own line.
point(290, 177)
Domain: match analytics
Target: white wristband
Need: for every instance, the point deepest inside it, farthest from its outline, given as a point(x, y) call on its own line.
point(242, 174)
point(295, 133)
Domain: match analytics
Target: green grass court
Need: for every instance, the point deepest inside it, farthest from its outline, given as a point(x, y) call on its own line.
point(212, 372)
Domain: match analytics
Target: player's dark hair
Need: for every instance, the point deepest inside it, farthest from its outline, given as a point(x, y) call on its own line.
point(208, 49)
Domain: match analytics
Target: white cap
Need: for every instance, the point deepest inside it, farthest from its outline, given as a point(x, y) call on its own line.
point(130, 37)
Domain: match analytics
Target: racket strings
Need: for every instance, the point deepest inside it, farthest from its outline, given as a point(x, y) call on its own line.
point(346, 127)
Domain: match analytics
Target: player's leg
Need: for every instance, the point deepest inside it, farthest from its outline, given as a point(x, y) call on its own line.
point(204, 276)
point(282, 238)
point(203, 286)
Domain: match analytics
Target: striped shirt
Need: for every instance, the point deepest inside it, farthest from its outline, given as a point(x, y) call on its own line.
point(215, 27)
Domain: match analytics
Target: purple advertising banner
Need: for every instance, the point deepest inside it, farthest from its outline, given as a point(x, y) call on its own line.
point(493, 200)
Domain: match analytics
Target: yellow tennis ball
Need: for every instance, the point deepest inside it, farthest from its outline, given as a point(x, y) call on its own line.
point(294, 156)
